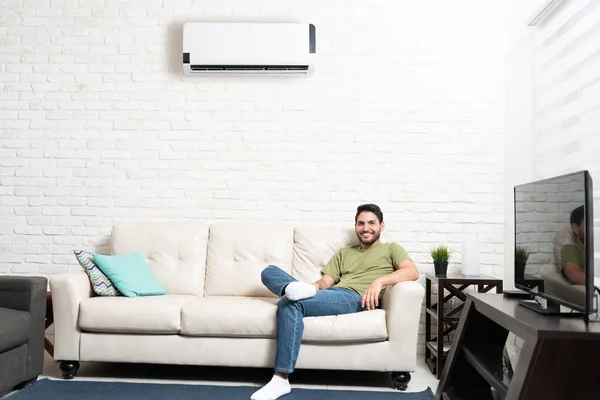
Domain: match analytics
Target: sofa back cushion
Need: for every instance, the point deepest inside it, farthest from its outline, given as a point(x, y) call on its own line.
point(239, 251)
point(315, 245)
point(174, 251)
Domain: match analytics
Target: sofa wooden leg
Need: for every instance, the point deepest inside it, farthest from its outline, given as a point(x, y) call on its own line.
point(24, 384)
point(400, 380)
point(69, 369)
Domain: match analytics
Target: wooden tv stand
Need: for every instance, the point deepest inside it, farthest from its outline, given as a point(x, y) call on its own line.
point(560, 358)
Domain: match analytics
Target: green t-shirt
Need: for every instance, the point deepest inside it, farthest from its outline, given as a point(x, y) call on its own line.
point(573, 253)
point(354, 268)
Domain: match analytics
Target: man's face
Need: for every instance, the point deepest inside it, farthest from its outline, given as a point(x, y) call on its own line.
point(579, 231)
point(368, 229)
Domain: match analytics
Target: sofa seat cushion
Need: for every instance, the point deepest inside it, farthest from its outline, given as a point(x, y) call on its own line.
point(234, 316)
point(148, 314)
point(14, 328)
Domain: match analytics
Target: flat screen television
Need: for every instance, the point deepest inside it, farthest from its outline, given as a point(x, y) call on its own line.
point(554, 244)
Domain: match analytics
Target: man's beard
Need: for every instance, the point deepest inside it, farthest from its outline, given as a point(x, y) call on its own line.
point(373, 239)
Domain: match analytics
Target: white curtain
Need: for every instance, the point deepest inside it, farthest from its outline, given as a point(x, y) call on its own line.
point(566, 119)
point(567, 96)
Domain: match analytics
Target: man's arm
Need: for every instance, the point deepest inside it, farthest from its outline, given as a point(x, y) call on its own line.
point(407, 271)
point(571, 268)
point(574, 274)
point(330, 273)
point(325, 282)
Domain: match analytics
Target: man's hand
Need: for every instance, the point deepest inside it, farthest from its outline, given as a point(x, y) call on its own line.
point(371, 297)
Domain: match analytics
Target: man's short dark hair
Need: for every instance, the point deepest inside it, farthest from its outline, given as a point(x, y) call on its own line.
point(369, 208)
point(577, 215)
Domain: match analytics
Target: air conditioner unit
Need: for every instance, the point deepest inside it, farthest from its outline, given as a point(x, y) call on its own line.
point(211, 48)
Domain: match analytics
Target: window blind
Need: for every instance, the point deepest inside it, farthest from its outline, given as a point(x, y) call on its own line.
point(567, 96)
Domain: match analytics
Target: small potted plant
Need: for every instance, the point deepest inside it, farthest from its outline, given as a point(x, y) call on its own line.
point(521, 256)
point(440, 255)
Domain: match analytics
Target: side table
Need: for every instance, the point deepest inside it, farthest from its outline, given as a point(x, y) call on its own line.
point(436, 350)
point(49, 321)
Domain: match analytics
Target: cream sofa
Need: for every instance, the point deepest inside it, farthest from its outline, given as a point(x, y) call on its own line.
point(219, 313)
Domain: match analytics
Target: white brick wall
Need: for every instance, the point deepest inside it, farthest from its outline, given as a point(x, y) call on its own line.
point(542, 210)
point(98, 124)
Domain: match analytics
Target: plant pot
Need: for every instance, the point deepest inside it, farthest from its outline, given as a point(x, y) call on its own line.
point(519, 272)
point(440, 267)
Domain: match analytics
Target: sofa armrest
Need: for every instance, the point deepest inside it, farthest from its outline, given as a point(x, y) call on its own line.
point(68, 291)
point(402, 303)
point(28, 293)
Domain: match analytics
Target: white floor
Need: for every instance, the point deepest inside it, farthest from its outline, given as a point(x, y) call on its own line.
point(352, 380)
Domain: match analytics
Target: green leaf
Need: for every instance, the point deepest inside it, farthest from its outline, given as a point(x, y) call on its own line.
point(441, 253)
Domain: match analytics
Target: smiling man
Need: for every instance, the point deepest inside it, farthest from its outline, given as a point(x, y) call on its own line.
point(352, 281)
point(573, 255)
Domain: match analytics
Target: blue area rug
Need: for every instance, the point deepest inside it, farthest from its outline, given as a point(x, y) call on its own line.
point(46, 389)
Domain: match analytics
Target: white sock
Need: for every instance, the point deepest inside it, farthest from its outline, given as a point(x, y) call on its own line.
point(276, 388)
point(300, 290)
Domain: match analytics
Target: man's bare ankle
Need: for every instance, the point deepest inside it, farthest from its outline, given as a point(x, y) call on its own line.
point(282, 375)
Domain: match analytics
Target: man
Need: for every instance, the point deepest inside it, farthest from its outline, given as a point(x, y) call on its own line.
point(573, 255)
point(352, 281)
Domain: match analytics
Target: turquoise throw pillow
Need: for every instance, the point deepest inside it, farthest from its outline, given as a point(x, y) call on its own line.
point(130, 274)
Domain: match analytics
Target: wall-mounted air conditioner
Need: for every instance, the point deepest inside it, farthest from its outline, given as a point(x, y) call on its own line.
point(211, 48)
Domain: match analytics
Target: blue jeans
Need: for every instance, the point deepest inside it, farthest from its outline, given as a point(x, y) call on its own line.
point(290, 326)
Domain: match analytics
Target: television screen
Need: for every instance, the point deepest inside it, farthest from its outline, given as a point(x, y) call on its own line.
point(553, 242)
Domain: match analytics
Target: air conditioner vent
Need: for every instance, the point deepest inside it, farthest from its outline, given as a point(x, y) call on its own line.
point(249, 68)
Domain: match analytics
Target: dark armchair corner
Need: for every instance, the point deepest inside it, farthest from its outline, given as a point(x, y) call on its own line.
point(22, 330)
